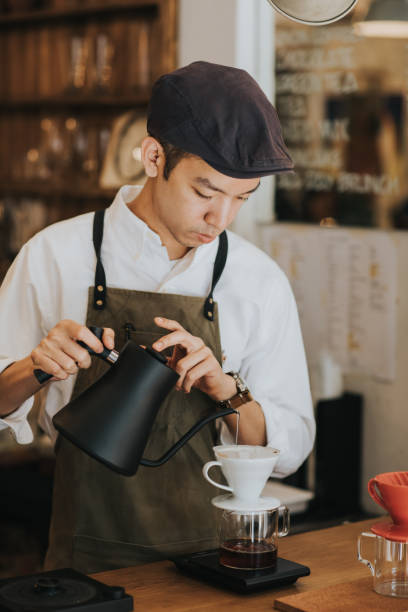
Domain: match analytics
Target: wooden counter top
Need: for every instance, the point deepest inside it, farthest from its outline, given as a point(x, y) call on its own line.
point(330, 554)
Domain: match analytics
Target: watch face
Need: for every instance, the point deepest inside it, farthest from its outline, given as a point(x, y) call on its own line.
point(241, 385)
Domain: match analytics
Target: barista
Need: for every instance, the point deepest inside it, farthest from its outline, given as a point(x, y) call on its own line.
point(159, 267)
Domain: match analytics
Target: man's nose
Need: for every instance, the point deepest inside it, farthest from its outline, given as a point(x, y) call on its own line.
point(218, 216)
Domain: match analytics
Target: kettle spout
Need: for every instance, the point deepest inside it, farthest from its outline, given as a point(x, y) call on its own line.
point(190, 433)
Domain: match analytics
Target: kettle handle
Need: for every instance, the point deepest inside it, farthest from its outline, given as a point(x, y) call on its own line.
point(42, 376)
point(191, 432)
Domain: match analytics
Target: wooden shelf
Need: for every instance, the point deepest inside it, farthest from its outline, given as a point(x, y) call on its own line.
point(39, 60)
point(54, 191)
point(43, 16)
point(79, 102)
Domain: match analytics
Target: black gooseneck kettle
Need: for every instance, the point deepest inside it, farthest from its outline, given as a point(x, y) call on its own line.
point(112, 419)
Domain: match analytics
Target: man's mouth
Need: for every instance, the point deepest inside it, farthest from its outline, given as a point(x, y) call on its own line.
point(206, 237)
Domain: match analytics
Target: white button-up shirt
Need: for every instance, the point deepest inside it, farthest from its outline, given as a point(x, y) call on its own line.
point(259, 327)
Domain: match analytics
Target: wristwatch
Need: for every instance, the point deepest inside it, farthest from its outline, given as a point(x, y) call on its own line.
point(242, 396)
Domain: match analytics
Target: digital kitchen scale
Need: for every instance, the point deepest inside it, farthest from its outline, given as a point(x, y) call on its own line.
point(205, 566)
point(64, 589)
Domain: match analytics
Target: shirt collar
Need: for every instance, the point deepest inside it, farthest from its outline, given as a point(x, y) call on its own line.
point(132, 231)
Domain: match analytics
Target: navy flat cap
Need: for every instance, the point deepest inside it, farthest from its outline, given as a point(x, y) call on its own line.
point(220, 114)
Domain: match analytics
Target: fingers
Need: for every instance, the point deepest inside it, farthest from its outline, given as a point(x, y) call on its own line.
point(60, 354)
point(195, 366)
point(167, 323)
point(191, 358)
point(60, 361)
point(177, 354)
point(195, 375)
point(108, 338)
point(48, 365)
point(184, 339)
point(81, 332)
point(178, 336)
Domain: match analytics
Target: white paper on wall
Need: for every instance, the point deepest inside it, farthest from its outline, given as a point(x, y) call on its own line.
point(345, 285)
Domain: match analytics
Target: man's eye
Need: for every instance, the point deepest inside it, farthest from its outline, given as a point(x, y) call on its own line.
point(243, 199)
point(201, 195)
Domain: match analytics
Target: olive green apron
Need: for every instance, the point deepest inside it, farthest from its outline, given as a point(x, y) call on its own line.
point(102, 520)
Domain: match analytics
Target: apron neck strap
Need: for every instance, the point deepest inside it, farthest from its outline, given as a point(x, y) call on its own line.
point(220, 261)
point(99, 300)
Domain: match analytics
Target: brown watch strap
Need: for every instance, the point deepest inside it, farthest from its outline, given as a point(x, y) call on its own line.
point(236, 400)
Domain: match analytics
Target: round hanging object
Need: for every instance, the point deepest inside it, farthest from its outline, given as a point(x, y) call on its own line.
point(391, 531)
point(313, 12)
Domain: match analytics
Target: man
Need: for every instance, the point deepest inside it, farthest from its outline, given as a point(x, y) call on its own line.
point(161, 269)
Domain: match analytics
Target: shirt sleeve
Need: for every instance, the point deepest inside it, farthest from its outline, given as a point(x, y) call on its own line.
point(275, 371)
point(18, 423)
point(21, 328)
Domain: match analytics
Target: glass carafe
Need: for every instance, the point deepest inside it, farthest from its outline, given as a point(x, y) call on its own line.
point(249, 540)
point(389, 564)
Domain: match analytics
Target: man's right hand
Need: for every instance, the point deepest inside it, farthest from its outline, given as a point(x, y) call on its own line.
point(59, 353)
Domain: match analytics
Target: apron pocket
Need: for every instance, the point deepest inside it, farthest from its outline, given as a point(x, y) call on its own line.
point(147, 339)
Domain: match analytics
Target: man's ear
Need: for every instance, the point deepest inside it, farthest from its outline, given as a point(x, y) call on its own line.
point(152, 156)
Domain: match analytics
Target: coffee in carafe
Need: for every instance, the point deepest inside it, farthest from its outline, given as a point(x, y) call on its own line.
point(245, 554)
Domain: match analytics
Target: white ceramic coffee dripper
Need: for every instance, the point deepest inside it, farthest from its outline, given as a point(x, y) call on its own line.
point(246, 469)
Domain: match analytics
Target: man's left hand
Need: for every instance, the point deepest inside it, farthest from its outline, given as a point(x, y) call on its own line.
point(194, 362)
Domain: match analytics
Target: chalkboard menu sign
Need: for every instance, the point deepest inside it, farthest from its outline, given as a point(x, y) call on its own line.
point(342, 101)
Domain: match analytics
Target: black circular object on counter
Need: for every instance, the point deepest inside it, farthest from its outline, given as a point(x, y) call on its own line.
point(65, 589)
point(33, 592)
point(48, 586)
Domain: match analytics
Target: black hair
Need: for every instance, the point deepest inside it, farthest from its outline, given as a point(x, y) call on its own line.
point(173, 155)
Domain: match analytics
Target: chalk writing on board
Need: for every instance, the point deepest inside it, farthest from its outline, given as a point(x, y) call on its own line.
point(329, 130)
point(345, 182)
point(315, 59)
point(309, 82)
point(344, 127)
